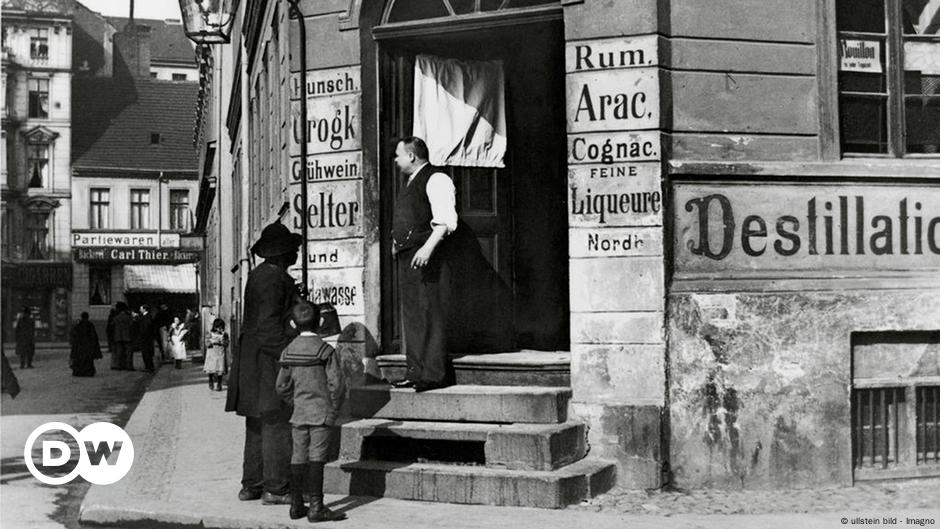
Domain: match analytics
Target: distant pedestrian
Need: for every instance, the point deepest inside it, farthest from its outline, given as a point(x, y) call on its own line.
point(162, 321)
point(85, 348)
point(25, 338)
point(178, 338)
point(311, 380)
point(216, 345)
point(109, 334)
point(123, 336)
point(146, 335)
point(8, 384)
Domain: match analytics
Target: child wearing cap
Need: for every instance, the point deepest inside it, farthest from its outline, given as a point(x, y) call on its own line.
point(310, 378)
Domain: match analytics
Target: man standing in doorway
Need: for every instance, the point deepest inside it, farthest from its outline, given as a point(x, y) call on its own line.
point(450, 297)
point(269, 295)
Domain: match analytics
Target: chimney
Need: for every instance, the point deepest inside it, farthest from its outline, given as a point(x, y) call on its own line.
point(132, 51)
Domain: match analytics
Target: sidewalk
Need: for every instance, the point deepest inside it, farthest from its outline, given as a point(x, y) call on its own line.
point(188, 466)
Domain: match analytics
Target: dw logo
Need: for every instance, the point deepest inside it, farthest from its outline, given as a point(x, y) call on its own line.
point(105, 453)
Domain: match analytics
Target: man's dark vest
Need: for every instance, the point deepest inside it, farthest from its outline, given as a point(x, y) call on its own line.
point(411, 226)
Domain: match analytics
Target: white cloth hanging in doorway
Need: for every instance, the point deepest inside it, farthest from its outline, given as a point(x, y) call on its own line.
point(460, 111)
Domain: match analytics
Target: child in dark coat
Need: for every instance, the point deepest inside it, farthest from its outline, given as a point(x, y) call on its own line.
point(310, 378)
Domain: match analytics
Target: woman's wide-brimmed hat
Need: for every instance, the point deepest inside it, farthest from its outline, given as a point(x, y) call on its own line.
point(276, 239)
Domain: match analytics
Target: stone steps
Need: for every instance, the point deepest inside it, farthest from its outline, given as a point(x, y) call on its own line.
point(470, 484)
point(463, 403)
point(519, 446)
point(522, 368)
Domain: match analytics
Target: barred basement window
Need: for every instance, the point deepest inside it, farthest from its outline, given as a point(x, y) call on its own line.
point(928, 424)
point(875, 430)
point(889, 76)
point(895, 404)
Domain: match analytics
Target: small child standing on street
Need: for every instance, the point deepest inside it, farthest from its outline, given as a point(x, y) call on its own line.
point(216, 344)
point(310, 378)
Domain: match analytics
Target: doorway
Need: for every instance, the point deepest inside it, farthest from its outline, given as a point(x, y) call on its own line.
point(518, 212)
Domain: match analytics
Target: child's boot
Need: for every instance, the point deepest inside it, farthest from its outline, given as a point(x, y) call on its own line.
point(319, 512)
point(297, 508)
point(211, 382)
point(178, 364)
point(218, 382)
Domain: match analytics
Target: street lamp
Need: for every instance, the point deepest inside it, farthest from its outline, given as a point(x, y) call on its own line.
point(207, 21)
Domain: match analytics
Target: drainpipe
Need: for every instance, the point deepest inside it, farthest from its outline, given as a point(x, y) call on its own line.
point(295, 13)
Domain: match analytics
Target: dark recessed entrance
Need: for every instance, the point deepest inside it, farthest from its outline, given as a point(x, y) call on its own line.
point(518, 213)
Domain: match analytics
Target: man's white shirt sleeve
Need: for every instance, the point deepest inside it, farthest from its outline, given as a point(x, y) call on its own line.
point(443, 199)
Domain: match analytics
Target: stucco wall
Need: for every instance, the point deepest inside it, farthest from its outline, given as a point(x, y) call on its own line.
point(759, 390)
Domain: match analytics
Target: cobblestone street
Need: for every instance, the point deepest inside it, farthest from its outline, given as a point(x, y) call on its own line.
point(50, 393)
point(862, 499)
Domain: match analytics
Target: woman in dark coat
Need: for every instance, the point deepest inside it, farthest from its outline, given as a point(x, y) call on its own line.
point(85, 348)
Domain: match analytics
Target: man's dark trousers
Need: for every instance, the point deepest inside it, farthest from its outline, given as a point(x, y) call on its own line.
point(146, 353)
point(268, 445)
point(423, 307)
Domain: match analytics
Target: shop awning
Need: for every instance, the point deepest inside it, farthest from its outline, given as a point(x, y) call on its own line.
point(173, 279)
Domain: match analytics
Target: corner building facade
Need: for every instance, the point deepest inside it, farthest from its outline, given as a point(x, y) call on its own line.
point(726, 214)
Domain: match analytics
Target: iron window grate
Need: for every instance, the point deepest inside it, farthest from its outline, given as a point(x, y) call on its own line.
point(928, 424)
point(876, 414)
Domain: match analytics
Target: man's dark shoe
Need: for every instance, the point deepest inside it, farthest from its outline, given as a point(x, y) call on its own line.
point(403, 384)
point(320, 513)
point(275, 499)
point(247, 494)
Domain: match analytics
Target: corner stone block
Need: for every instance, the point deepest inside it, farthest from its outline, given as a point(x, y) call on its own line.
point(629, 435)
point(617, 327)
point(590, 19)
point(620, 284)
point(624, 374)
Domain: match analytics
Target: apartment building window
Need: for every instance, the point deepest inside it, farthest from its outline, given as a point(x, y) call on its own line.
point(38, 98)
point(179, 77)
point(38, 164)
point(179, 209)
point(140, 209)
point(38, 230)
point(99, 285)
point(39, 43)
point(100, 208)
point(889, 77)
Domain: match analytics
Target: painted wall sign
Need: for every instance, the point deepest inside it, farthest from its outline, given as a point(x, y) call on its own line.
point(125, 239)
point(135, 255)
point(322, 167)
point(614, 195)
point(615, 242)
point(334, 124)
point(342, 288)
point(729, 228)
point(329, 82)
point(613, 100)
point(860, 55)
point(614, 147)
point(612, 54)
point(38, 275)
point(334, 210)
point(341, 253)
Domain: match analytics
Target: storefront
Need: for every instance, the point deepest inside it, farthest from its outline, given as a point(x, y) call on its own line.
point(45, 289)
point(136, 268)
point(692, 205)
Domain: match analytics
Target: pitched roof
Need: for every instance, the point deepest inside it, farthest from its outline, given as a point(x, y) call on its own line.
point(168, 41)
point(113, 119)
